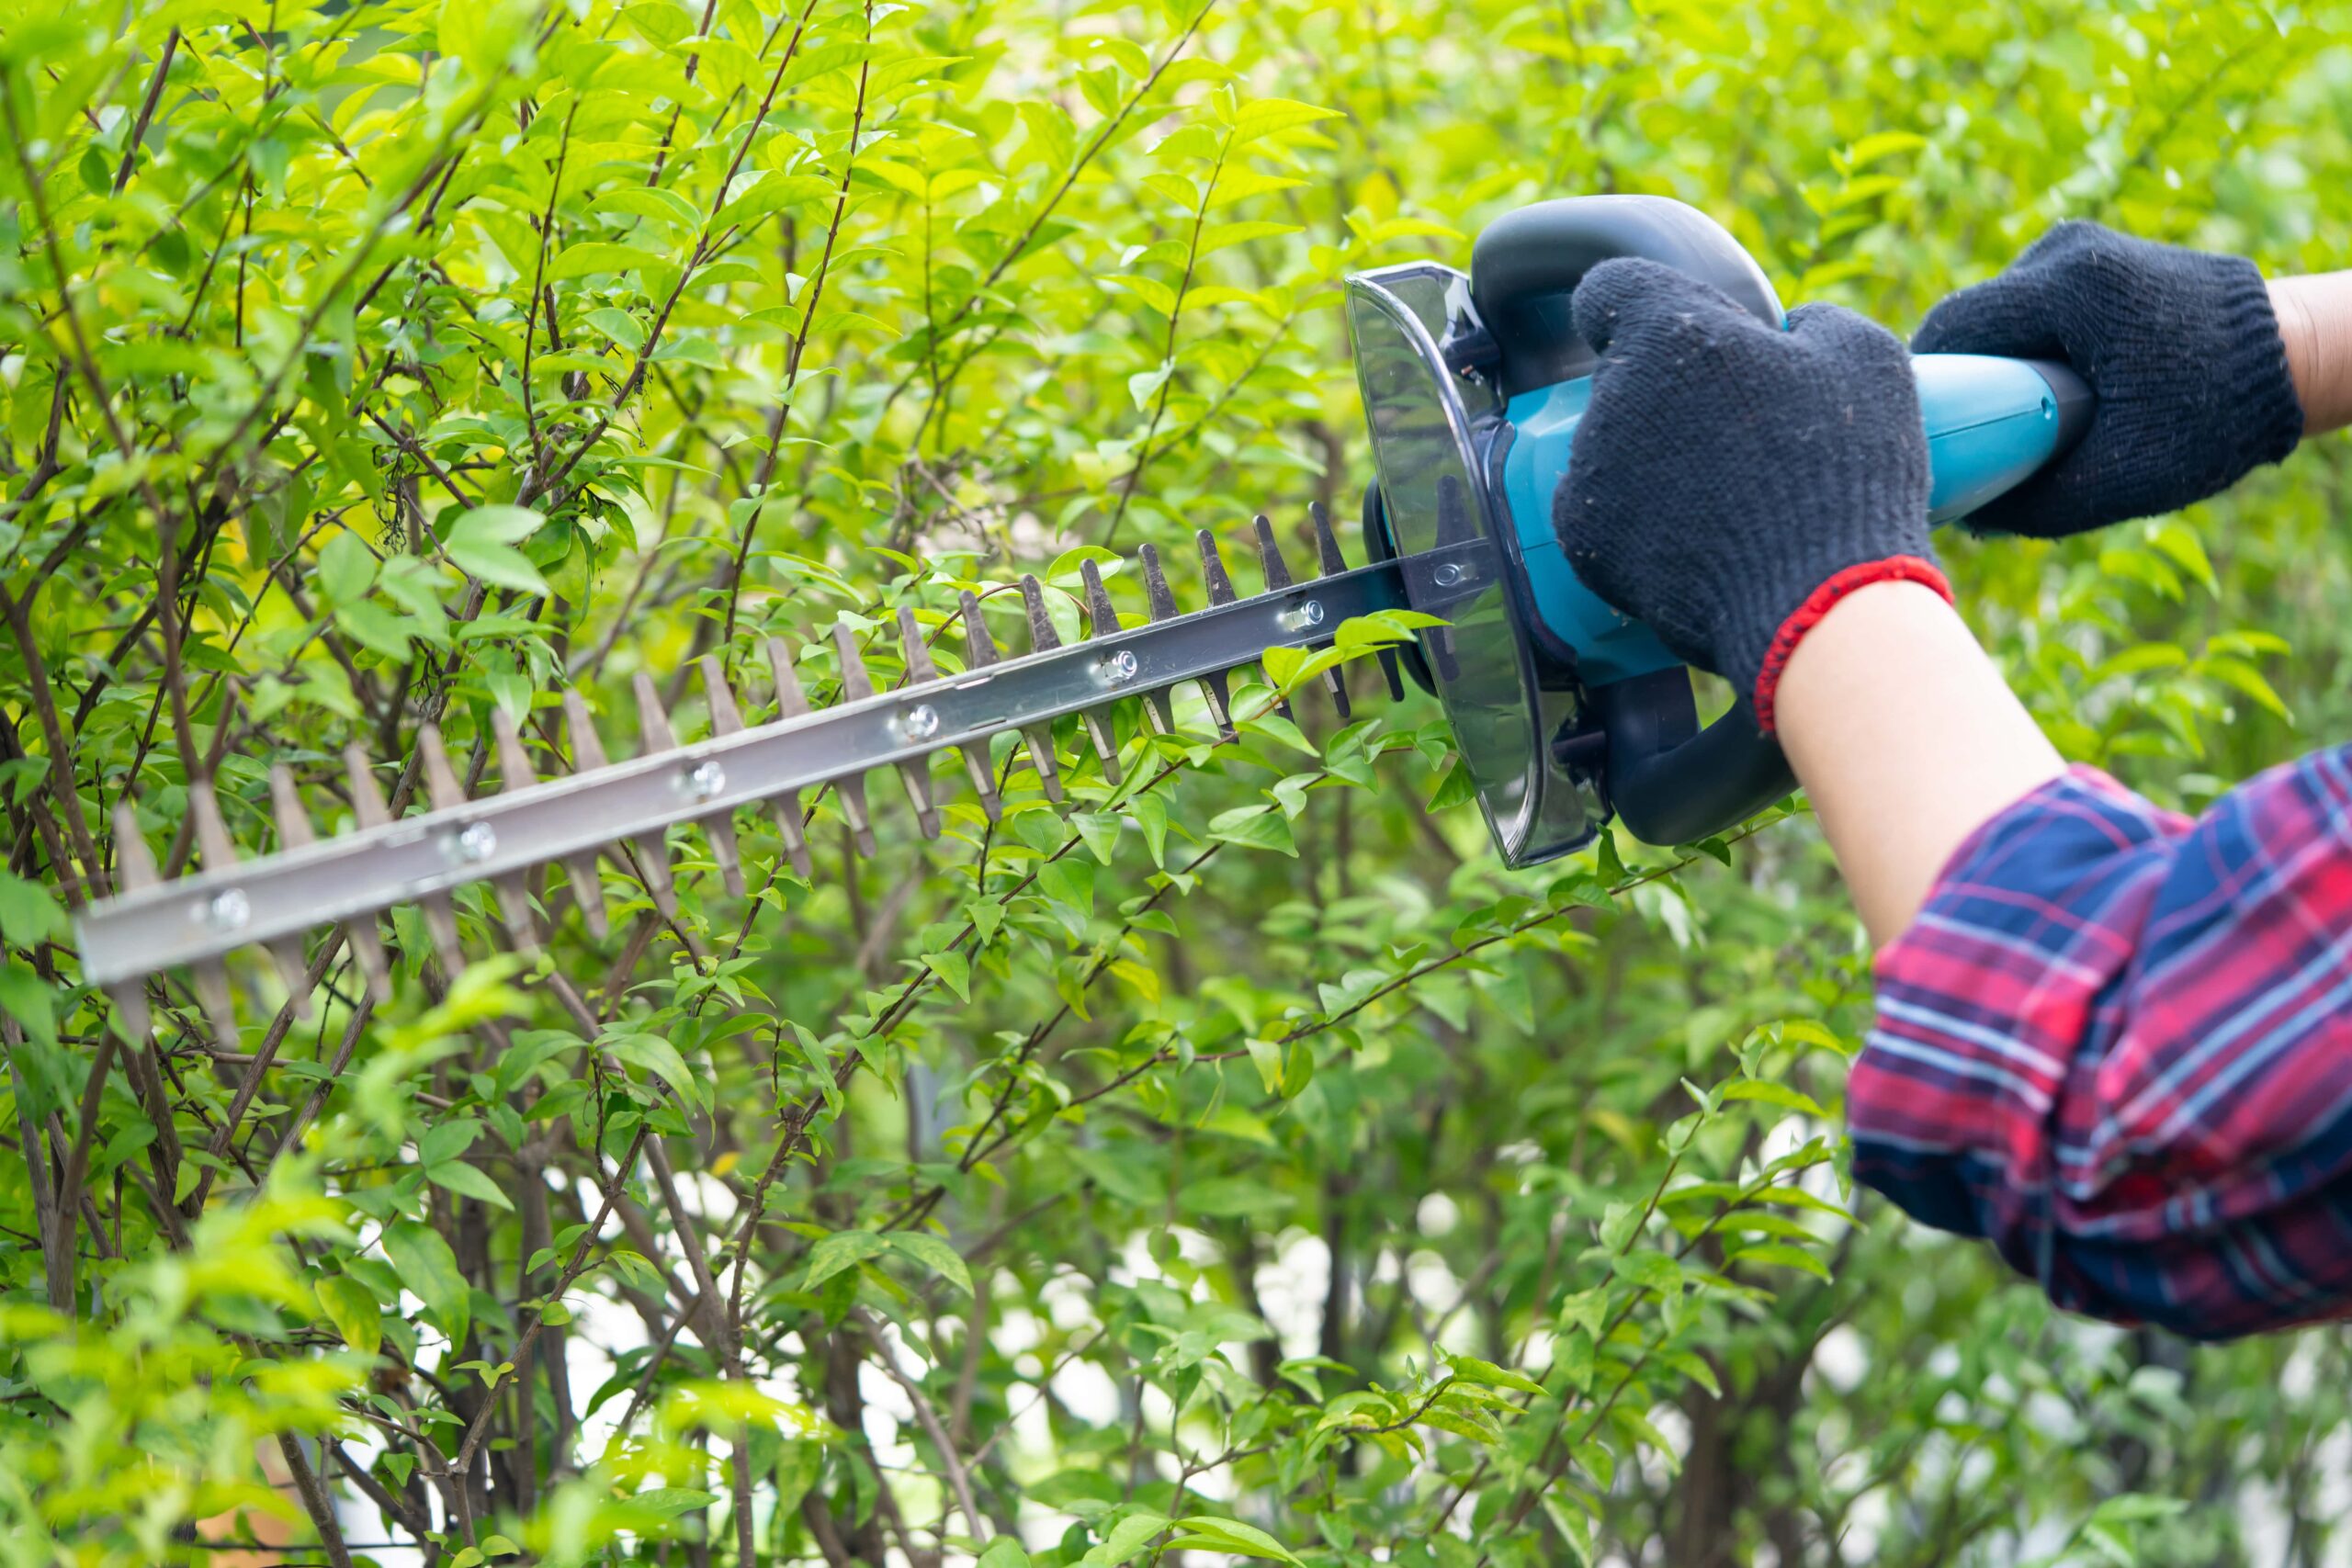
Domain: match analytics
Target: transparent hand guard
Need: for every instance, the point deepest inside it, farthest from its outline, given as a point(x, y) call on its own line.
point(1434, 430)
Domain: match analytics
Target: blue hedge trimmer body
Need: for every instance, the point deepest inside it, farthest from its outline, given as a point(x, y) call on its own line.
point(1474, 383)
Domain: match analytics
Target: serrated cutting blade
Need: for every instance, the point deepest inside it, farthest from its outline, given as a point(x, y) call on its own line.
point(624, 808)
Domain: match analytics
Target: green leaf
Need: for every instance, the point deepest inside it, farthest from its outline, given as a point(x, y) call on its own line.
point(428, 1266)
point(1069, 883)
point(1469, 1368)
point(1270, 116)
point(374, 627)
point(1267, 1057)
point(1771, 1093)
point(447, 1140)
point(1781, 1253)
point(481, 542)
point(346, 568)
point(29, 914)
point(844, 1249)
point(1228, 1196)
point(657, 1058)
point(351, 1308)
point(1233, 1536)
point(934, 1255)
point(1650, 1270)
point(1254, 828)
point(1004, 1552)
point(592, 256)
point(456, 1175)
point(1099, 829)
point(1456, 788)
point(1126, 1538)
point(954, 969)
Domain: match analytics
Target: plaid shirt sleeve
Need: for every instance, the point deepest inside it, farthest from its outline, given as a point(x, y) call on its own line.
point(2118, 1043)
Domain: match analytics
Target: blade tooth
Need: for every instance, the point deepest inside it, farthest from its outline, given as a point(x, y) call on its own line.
point(1042, 635)
point(1326, 543)
point(367, 942)
point(515, 771)
point(1215, 687)
point(1270, 554)
point(294, 830)
point(134, 868)
point(1212, 568)
point(1101, 615)
point(790, 702)
point(1157, 706)
point(1040, 737)
point(1105, 740)
point(211, 977)
point(587, 754)
point(919, 667)
point(1329, 563)
point(441, 787)
point(726, 718)
point(652, 849)
point(857, 683)
point(1277, 573)
point(719, 827)
point(980, 651)
point(916, 772)
point(1220, 700)
point(1391, 670)
point(1154, 584)
point(134, 862)
point(1103, 620)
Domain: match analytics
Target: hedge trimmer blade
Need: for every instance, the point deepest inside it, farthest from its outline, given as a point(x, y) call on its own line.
point(621, 810)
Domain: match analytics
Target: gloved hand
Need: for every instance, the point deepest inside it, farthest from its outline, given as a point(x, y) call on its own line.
point(1730, 483)
point(2182, 349)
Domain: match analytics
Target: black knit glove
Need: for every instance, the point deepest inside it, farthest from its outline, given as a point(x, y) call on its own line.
point(2182, 349)
point(1730, 482)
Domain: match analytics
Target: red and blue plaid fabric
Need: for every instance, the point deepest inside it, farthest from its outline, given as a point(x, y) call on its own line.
point(2118, 1043)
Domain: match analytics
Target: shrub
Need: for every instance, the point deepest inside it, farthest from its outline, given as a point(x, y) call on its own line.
point(1227, 1162)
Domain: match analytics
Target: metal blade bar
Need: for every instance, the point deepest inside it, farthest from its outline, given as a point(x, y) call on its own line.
point(143, 931)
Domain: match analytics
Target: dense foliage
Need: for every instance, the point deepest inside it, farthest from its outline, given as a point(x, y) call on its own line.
point(1231, 1162)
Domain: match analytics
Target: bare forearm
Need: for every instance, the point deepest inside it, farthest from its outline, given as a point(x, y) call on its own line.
point(2315, 318)
point(1906, 740)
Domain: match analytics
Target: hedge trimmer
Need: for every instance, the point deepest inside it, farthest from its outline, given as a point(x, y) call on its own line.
point(1563, 710)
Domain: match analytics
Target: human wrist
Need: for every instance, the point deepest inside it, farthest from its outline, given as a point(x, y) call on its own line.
point(1920, 570)
point(2315, 315)
point(1906, 740)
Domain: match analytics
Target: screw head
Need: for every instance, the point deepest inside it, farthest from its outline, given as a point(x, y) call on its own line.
point(1449, 575)
point(1299, 617)
point(1121, 667)
point(920, 722)
point(477, 842)
point(226, 910)
point(706, 779)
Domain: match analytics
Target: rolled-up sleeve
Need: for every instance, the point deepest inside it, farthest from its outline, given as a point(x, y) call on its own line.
point(2117, 1043)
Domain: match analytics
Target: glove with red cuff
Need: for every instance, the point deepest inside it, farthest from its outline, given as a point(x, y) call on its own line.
point(1730, 483)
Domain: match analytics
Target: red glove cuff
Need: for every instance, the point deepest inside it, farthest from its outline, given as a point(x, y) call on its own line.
point(1820, 601)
